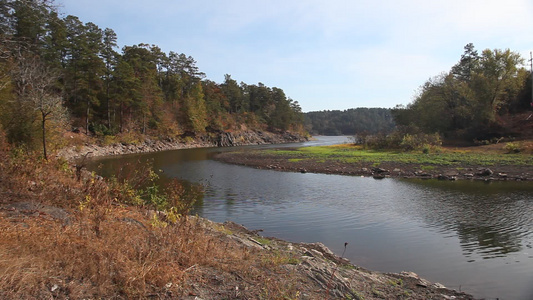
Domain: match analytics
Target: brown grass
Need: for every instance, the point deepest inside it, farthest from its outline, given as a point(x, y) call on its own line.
point(100, 248)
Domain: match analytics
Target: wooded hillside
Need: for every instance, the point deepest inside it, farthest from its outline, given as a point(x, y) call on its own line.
point(57, 72)
point(350, 122)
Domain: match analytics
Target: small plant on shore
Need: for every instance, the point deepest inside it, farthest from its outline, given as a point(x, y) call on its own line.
point(513, 147)
point(333, 273)
point(263, 241)
point(427, 168)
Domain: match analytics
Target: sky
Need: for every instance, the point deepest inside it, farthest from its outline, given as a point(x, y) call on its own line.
point(327, 55)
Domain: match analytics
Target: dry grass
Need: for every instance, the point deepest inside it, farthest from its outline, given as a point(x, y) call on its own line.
point(129, 259)
point(96, 247)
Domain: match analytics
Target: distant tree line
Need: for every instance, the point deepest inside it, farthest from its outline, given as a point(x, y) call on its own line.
point(350, 122)
point(468, 101)
point(106, 91)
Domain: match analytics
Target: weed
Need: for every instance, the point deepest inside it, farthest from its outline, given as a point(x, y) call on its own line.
point(263, 241)
point(377, 293)
point(397, 282)
point(333, 273)
point(348, 267)
point(295, 159)
point(222, 228)
point(356, 296)
point(277, 258)
point(427, 168)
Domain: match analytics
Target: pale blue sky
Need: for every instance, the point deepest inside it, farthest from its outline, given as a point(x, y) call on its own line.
point(324, 54)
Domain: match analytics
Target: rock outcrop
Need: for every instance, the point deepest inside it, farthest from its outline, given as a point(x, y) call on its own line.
point(218, 139)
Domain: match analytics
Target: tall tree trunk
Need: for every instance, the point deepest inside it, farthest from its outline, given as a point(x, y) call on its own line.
point(87, 119)
point(121, 115)
point(108, 106)
point(44, 135)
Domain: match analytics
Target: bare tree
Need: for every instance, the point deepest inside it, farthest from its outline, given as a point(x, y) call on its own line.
point(35, 85)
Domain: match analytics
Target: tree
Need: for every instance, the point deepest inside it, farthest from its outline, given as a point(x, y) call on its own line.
point(36, 86)
point(467, 101)
point(498, 70)
point(467, 64)
point(144, 65)
point(109, 56)
point(234, 94)
point(195, 110)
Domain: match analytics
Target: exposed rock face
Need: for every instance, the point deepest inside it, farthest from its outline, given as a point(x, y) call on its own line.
point(219, 139)
point(325, 275)
point(230, 139)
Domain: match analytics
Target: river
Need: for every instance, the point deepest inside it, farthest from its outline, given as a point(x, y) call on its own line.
point(475, 237)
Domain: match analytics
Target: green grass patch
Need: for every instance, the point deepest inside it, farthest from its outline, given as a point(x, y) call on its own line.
point(295, 159)
point(427, 168)
point(263, 241)
point(354, 154)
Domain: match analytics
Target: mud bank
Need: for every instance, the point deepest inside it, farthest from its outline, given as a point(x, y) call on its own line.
point(257, 159)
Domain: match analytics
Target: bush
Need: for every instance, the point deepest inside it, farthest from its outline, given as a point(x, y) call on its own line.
point(513, 147)
point(399, 140)
point(420, 141)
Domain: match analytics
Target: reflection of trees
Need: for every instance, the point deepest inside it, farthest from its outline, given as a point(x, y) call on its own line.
point(488, 240)
point(490, 219)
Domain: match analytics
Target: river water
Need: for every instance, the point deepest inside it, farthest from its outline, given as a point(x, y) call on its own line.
point(471, 236)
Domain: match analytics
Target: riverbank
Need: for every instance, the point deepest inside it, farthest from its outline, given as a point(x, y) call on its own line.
point(62, 235)
point(447, 164)
point(150, 144)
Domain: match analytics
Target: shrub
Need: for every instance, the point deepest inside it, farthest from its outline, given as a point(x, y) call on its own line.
point(399, 140)
point(513, 147)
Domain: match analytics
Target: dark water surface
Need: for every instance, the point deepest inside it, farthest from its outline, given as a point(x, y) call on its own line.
point(471, 236)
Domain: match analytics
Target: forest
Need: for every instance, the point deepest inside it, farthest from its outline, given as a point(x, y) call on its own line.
point(477, 99)
point(350, 121)
point(60, 73)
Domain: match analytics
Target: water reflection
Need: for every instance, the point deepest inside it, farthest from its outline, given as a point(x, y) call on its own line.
point(492, 224)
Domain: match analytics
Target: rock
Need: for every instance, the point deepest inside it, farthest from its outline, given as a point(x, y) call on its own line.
point(442, 177)
point(484, 172)
point(422, 174)
point(438, 286)
point(379, 170)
